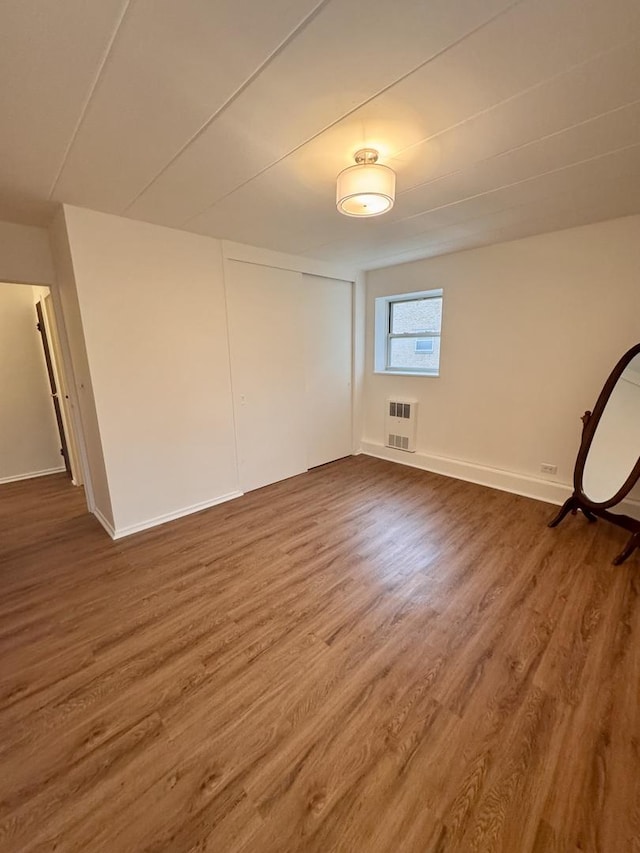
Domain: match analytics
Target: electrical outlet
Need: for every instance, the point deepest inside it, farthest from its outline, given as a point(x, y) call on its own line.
point(548, 469)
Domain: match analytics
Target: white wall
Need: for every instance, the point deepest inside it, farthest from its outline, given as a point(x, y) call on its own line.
point(531, 330)
point(152, 305)
point(25, 256)
point(29, 439)
point(145, 309)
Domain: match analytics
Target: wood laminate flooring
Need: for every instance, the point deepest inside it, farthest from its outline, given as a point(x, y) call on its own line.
point(366, 658)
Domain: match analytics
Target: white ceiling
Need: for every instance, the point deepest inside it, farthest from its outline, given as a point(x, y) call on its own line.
point(232, 118)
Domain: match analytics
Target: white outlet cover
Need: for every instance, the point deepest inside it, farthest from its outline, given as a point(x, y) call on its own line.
point(546, 468)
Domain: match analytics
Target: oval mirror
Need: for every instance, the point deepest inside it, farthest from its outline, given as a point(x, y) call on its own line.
point(608, 463)
point(610, 467)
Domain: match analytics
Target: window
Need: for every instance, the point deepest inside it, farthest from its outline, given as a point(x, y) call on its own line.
point(407, 333)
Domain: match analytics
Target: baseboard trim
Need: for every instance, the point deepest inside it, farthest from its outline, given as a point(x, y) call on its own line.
point(494, 478)
point(103, 521)
point(121, 532)
point(31, 475)
point(629, 506)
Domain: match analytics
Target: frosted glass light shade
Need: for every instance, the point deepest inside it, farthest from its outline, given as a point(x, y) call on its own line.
point(366, 190)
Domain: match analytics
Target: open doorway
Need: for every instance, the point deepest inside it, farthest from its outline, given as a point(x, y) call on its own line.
point(35, 420)
point(41, 325)
point(60, 386)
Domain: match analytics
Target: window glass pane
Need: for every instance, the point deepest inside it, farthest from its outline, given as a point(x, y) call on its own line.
point(416, 315)
point(403, 355)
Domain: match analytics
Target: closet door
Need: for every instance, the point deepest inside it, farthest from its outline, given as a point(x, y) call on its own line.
point(328, 333)
point(267, 347)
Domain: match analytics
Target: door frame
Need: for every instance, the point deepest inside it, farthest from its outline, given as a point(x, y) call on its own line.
point(54, 384)
point(54, 316)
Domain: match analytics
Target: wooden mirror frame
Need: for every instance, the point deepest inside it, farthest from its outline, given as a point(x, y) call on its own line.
point(578, 500)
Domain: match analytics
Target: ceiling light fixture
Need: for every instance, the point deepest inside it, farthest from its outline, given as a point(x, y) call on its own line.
point(366, 189)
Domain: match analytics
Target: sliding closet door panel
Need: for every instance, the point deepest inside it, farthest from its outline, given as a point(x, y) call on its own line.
point(266, 339)
point(328, 368)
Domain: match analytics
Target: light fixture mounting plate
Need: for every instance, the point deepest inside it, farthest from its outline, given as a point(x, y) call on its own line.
point(366, 155)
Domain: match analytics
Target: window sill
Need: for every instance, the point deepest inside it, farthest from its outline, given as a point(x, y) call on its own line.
point(407, 373)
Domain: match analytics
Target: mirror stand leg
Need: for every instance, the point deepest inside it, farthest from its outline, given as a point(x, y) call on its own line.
point(568, 506)
point(630, 547)
point(589, 515)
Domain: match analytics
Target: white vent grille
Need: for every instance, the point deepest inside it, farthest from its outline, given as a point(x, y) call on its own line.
point(399, 441)
point(399, 410)
point(401, 422)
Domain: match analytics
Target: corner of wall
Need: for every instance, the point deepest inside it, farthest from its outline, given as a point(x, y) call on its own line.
point(359, 333)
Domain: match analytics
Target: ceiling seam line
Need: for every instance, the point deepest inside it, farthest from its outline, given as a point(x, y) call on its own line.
point(387, 259)
point(312, 247)
point(553, 133)
point(83, 112)
point(368, 100)
point(513, 97)
point(234, 95)
point(477, 234)
point(421, 234)
point(522, 181)
point(523, 145)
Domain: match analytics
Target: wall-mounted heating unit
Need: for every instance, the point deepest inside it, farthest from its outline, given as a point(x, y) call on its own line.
point(400, 424)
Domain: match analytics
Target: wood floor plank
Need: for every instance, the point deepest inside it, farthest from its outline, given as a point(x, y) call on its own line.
point(366, 659)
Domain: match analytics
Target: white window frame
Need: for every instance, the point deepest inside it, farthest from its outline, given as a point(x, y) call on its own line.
point(383, 335)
